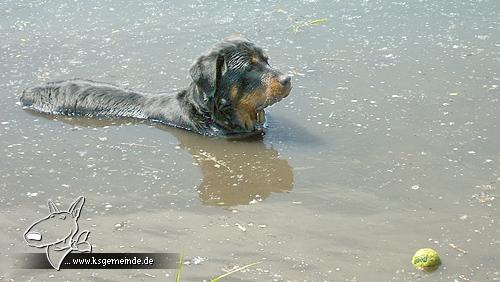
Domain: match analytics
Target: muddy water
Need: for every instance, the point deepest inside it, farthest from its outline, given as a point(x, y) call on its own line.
point(387, 144)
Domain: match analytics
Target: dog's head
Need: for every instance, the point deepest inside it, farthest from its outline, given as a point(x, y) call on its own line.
point(236, 83)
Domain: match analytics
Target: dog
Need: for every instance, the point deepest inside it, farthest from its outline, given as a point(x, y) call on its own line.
point(231, 86)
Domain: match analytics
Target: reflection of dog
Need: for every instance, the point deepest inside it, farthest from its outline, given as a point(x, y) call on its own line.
point(237, 173)
point(58, 233)
point(234, 173)
point(232, 84)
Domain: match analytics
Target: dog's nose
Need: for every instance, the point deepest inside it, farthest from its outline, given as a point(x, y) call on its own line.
point(285, 80)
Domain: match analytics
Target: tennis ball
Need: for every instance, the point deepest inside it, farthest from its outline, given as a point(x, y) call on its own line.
point(426, 259)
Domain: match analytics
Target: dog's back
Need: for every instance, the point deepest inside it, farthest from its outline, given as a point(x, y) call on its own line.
point(83, 97)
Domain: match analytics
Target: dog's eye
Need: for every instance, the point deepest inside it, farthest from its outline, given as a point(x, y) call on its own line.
point(265, 58)
point(252, 66)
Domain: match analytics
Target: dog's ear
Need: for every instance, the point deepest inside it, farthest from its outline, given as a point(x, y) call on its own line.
point(52, 207)
point(219, 68)
point(207, 72)
point(212, 102)
point(76, 207)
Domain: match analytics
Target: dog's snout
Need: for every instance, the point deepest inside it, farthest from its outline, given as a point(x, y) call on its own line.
point(285, 80)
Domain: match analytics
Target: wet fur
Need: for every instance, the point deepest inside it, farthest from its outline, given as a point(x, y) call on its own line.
point(230, 87)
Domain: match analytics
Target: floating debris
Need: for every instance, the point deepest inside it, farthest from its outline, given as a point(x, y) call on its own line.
point(318, 21)
point(484, 197)
point(198, 260)
point(457, 248)
point(242, 228)
point(299, 25)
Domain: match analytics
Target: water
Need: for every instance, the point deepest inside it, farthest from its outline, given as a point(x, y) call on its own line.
point(388, 142)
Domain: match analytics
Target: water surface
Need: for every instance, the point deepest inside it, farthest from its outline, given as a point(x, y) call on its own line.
point(388, 142)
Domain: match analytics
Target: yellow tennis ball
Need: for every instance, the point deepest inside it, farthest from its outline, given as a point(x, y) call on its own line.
point(426, 260)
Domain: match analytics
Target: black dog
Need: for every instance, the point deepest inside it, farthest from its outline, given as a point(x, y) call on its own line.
point(232, 84)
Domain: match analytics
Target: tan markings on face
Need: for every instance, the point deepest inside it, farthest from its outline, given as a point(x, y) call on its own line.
point(249, 107)
point(275, 91)
point(261, 116)
point(254, 59)
point(233, 93)
point(246, 109)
